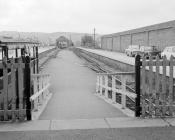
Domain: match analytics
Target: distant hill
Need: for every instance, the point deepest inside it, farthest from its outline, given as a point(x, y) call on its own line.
point(45, 38)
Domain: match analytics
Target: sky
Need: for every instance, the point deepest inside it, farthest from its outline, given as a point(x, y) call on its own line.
point(106, 16)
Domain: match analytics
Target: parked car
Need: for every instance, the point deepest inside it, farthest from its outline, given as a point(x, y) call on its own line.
point(168, 51)
point(132, 50)
point(149, 51)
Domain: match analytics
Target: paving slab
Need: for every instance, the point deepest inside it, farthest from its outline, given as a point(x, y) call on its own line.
point(119, 122)
point(171, 121)
point(78, 124)
point(126, 111)
point(135, 122)
point(153, 133)
point(36, 113)
point(25, 126)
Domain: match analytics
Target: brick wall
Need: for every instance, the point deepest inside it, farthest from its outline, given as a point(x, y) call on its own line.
point(160, 35)
point(109, 43)
point(116, 43)
point(125, 42)
point(140, 38)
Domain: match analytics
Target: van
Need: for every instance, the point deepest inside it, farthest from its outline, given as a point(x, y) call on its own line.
point(168, 51)
point(132, 50)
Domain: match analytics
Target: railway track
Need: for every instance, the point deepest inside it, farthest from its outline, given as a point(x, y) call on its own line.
point(100, 67)
point(94, 64)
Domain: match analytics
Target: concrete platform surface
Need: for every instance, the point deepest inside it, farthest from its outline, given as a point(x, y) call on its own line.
point(123, 128)
point(122, 57)
point(123, 122)
point(154, 133)
point(73, 87)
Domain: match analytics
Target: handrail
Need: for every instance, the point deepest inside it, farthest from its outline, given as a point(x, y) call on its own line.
point(39, 75)
point(103, 87)
point(117, 73)
point(9, 73)
point(37, 94)
point(40, 89)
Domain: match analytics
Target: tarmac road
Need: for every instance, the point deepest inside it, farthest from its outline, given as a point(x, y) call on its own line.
point(154, 133)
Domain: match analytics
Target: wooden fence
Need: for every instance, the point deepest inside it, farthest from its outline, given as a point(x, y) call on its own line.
point(21, 90)
point(154, 92)
point(113, 86)
point(12, 97)
point(157, 87)
point(34, 66)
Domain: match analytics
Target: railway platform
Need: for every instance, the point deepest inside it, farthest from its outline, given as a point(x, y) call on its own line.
point(75, 113)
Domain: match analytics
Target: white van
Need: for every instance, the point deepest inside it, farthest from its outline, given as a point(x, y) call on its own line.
point(132, 50)
point(168, 51)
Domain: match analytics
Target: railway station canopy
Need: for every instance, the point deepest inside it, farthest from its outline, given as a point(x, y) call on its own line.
point(11, 47)
point(11, 43)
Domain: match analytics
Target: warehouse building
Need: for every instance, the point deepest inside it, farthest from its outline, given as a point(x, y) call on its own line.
point(160, 35)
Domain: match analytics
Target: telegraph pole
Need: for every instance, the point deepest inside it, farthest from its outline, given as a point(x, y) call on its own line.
point(94, 37)
point(70, 42)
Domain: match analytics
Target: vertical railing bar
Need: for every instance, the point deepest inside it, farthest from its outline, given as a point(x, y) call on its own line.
point(97, 84)
point(170, 97)
point(101, 84)
point(150, 77)
point(143, 105)
point(106, 86)
point(164, 86)
point(123, 79)
point(13, 80)
point(20, 85)
point(157, 81)
point(28, 88)
point(5, 87)
point(113, 89)
point(137, 80)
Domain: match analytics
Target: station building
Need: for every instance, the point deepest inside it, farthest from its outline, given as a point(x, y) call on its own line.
point(160, 35)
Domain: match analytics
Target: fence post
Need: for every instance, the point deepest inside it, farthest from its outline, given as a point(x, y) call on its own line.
point(28, 88)
point(97, 84)
point(5, 87)
point(137, 86)
point(123, 102)
point(106, 85)
point(37, 60)
point(113, 89)
point(101, 84)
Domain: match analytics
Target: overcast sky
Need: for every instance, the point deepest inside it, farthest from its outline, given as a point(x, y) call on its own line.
point(107, 16)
